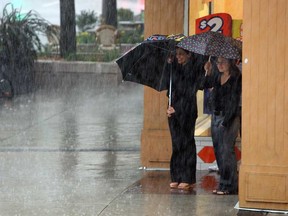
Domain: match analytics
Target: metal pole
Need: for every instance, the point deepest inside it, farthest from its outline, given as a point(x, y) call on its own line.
point(186, 18)
point(170, 86)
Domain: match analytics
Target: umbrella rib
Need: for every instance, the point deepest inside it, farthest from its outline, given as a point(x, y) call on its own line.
point(163, 71)
point(144, 56)
point(162, 74)
point(159, 47)
point(133, 66)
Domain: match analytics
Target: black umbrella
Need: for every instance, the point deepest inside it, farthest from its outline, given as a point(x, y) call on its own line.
point(147, 63)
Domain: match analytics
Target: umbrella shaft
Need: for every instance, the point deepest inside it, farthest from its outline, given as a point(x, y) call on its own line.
point(170, 87)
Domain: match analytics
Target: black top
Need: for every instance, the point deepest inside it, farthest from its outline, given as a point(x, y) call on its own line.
point(226, 97)
point(186, 81)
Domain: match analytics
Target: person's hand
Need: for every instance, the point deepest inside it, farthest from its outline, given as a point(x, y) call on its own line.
point(208, 68)
point(170, 111)
point(170, 58)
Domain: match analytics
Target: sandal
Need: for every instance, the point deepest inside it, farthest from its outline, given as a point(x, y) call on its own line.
point(185, 186)
point(174, 185)
point(223, 192)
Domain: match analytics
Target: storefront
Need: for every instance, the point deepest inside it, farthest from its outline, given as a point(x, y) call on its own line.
point(263, 172)
point(179, 17)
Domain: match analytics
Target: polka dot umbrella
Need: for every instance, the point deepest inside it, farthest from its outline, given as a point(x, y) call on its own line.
point(212, 44)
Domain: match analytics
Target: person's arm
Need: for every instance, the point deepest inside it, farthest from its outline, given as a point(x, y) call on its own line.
point(208, 76)
point(233, 106)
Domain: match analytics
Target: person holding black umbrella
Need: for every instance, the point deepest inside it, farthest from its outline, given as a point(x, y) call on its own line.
point(182, 114)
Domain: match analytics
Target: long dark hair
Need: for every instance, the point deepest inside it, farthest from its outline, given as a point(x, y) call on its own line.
point(233, 68)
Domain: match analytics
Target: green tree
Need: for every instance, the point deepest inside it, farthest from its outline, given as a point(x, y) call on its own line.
point(67, 28)
point(125, 14)
point(86, 20)
point(19, 43)
point(109, 12)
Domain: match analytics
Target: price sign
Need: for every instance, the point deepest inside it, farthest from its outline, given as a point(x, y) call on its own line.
point(220, 22)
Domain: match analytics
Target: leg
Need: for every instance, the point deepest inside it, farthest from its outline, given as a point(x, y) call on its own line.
point(174, 161)
point(216, 137)
point(228, 173)
point(188, 152)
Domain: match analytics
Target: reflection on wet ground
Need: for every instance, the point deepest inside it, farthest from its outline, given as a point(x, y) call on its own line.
point(80, 120)
point(77, 152)
point(157, 182)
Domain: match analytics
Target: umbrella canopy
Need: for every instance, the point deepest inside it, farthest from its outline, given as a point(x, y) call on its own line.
point(147, 63)
point(213, 44)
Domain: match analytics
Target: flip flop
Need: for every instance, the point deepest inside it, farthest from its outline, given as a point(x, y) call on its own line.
point(185, 186)
point(223, 193)
point(174, 185)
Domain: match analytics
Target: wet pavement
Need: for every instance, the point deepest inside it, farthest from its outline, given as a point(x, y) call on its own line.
point(77, 152)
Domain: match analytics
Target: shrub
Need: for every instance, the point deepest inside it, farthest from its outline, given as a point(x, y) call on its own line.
point(86, 38)
point(19, 43)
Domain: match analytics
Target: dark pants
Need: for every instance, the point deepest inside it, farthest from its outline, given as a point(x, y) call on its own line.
point(224, 148)
point(183, 159)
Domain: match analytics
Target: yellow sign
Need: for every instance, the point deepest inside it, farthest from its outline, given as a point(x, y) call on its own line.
point(237, 29)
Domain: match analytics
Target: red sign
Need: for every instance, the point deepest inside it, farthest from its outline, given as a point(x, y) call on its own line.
point(220, 22)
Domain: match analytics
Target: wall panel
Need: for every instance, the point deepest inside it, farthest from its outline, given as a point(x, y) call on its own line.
point(263, 69)
point(264, 167)
point(160, 18)
point(285, 63)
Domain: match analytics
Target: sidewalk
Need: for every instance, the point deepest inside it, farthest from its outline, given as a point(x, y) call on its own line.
point(78, 153)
